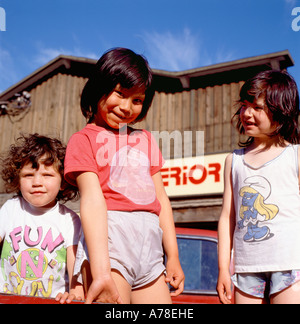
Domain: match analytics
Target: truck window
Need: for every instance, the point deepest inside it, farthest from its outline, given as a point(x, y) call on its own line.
point(199, 260)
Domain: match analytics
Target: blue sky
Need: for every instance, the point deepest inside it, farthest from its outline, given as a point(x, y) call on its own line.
point(174, 35)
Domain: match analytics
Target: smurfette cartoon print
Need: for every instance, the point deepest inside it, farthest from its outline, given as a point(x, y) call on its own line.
point(254, 210)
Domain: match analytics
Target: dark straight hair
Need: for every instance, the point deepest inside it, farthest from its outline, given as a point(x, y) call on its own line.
point(280, 93)
point(117, 66)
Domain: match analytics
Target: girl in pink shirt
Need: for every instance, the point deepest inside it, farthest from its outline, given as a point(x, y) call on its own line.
point(126, 215)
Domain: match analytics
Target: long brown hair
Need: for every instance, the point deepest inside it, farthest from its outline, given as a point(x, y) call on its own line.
point(281, 96)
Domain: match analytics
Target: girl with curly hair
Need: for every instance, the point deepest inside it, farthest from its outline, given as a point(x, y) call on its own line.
point(39, 235)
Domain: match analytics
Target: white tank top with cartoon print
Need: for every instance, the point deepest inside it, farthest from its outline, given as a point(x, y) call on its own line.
point(267, 207)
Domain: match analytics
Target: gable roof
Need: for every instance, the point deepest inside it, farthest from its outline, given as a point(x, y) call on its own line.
point(164, 80)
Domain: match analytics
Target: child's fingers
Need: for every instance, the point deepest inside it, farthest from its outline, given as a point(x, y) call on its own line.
point(225, 294)
point(119, 300)
point(168, 278)
point(62, 298)
point(101, 294)
point(228, 292)
point(179, 289)
point(176, 282)
point(89, 300)
point(71, 297)
point(58, 297)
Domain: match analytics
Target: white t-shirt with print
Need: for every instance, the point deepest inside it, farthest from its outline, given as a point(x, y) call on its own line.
point(34, 253)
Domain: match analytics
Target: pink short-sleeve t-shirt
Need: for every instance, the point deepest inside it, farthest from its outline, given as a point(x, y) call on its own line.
point(124, 161)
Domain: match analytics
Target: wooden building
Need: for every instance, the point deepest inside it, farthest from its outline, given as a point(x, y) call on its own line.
point(201, 99)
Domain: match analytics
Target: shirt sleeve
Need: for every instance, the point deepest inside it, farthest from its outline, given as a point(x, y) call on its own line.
point(79, 157)
point(73, 227)
point(8, 213)
point(3, 220)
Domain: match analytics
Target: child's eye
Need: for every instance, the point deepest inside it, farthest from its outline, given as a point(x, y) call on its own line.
point(27, 175)
point(48, 175)
point(119, 93)
point(138, 101)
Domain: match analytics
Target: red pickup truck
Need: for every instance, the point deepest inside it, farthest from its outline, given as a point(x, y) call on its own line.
point(199, 259)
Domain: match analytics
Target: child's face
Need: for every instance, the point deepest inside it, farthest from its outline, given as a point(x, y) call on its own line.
point(256, 119)
point(122, 106)
point(40, 187)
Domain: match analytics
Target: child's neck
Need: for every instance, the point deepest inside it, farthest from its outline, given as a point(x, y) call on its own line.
point(38, 211)
point(261, 152)
point(123, 127)
point(266, 143)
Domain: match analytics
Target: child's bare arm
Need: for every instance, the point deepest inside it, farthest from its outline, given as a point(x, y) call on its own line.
point(175, 275)
point(93, 213)
point(75, 288)
point(225, 236)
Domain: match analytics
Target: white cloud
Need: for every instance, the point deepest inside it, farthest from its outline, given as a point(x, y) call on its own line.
point(8, 71)
point(10, 74)
point(171, 51)
point(183, 51)
point(45, 55)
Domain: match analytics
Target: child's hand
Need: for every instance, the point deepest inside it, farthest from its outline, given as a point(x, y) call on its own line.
point(103, 290)
point(224, 287)
point(175, 277)
point(66, 298)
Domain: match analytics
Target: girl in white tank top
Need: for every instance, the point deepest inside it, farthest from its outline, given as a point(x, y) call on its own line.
point(260, 219)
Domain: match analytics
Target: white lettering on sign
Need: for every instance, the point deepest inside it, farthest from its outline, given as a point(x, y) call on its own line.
point(194, 176)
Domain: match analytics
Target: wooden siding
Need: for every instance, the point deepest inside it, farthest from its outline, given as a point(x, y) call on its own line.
point(207, 105)
point(55, 111)
point(209, 110)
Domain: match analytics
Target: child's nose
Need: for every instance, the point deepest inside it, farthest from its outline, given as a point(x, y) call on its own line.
point(248, 111)
point(125, 105)
point(36, 180)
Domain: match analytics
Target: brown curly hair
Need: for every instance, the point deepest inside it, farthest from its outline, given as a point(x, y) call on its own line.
point(30, 149)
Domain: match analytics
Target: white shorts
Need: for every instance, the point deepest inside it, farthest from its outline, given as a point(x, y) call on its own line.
point(135, 247)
